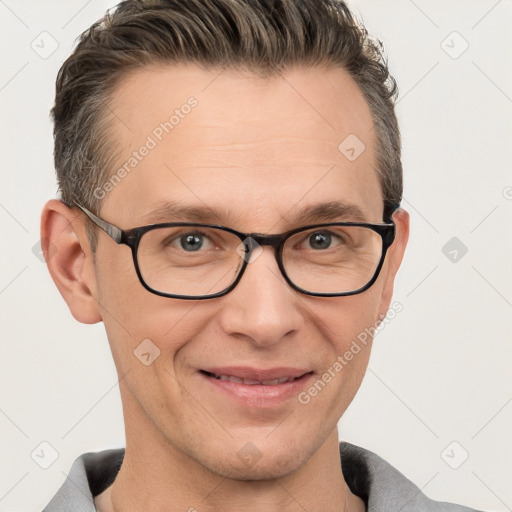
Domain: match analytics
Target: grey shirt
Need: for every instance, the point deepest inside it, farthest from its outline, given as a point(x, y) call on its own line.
point(380, 485)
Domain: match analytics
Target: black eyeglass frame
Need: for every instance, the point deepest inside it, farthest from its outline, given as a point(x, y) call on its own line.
point(131, 238)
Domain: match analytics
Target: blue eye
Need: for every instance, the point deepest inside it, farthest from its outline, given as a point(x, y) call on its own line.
point(320, 240)
point(191, 241)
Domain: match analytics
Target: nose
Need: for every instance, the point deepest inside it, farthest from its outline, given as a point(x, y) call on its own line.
point(262, 308)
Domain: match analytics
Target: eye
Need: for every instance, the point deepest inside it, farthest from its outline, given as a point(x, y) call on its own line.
point(322, 240)
point(191, 242)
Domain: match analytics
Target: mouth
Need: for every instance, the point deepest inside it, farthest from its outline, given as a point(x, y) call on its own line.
point(252, 382)
point(256, 388)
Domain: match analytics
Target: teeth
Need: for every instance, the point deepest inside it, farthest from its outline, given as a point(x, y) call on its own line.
point(232, 379)
point(276, 381)
point(251, 381)
point(238, 380)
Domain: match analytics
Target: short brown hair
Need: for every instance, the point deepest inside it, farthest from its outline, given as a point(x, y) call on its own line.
point(262, 36)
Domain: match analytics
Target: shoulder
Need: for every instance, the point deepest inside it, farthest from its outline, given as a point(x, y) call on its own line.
point(378, 483)
point(383, 487)
point(90, 475)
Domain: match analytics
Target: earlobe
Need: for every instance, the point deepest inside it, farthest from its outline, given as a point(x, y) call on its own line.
point(69, 259)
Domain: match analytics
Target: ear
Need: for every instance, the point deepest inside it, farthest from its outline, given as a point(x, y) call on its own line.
point(394, 257)
point(69, 259)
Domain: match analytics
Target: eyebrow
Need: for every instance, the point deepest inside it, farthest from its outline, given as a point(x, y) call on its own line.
point(170, 211)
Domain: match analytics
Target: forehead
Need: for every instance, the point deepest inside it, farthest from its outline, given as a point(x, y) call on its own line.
point(259, 149)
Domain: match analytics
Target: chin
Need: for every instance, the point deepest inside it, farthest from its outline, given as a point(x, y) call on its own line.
point(250, 463)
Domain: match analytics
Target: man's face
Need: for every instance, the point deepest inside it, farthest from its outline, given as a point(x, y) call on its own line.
point(252, 152)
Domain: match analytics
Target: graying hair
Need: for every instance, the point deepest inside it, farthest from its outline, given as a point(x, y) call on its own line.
point(260, 36)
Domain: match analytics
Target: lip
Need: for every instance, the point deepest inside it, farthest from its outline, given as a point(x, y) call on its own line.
point(259, 374)
point(258, 395)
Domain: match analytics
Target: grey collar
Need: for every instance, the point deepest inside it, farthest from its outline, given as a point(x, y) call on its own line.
point(380, 485)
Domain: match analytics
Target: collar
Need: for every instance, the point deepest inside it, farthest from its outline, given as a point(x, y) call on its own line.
point(382, 487)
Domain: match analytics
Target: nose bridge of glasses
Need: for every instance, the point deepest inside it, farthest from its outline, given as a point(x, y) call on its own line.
point(254, 243)
point(255, 240)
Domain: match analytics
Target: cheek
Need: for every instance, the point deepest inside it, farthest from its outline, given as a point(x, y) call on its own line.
point(132, 315)
point(348, 324)
point(345, 319)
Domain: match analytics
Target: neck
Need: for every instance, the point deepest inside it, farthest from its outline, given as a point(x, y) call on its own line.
point(156, 475)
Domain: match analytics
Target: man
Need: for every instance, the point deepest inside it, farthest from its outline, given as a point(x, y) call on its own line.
point(230, 184)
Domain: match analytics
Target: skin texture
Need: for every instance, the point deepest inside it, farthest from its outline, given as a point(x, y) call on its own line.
point(255, 151)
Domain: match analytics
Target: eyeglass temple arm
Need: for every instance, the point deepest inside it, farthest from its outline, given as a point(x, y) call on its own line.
point(112, 231)
point(389, 210)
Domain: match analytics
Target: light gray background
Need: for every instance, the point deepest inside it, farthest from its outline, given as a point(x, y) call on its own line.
point(440, 371)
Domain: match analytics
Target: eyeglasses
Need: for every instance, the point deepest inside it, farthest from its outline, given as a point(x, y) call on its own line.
point(185, 260)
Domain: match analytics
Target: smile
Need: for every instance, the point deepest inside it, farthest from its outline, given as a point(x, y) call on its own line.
point(238, 380)
point(256, 388)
